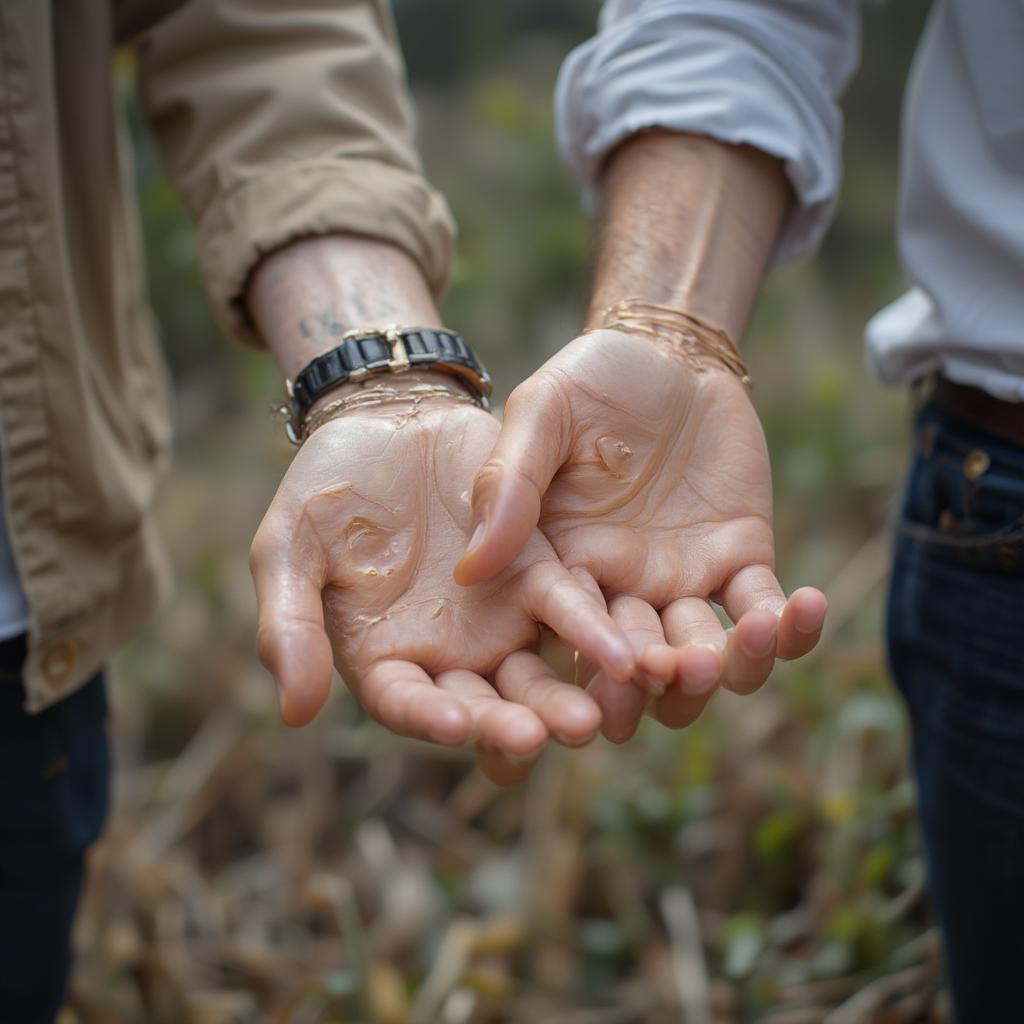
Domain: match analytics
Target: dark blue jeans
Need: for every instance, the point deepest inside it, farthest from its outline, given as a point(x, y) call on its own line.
point(54, 771)
point(956, 647)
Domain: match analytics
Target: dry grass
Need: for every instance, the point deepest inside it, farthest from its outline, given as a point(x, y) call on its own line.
point(761, 865)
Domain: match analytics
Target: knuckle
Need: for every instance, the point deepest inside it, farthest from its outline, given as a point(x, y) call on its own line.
point(768, 597)
point(266, 645)
point(261, 548)
point(542, 399)
point(386, 702)
point(522, 397)
point(561, 589)
point(487, 478)
point(256, 552)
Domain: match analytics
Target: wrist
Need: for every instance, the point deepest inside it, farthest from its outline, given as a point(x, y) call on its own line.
point(306, 295)
point(376, 356)
point(401, 383)
point(703, 345)
point(689, 222)
point(425, 395)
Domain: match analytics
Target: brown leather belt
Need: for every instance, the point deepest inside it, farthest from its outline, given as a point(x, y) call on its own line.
point(981, 410)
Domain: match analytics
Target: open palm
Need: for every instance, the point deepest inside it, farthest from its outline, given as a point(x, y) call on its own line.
point(353, 568)
point(650, 475)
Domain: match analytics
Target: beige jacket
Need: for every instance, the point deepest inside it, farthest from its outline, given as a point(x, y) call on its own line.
point(276, 120)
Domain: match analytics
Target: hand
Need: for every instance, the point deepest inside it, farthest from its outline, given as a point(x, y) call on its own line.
point(352, 565)
point(651, 475)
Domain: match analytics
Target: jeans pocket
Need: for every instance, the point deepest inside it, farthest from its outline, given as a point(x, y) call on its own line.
point(964, 500)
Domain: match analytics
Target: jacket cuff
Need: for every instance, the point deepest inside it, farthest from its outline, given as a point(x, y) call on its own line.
point(311, 198)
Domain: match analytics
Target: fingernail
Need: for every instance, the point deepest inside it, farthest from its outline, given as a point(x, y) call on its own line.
point(620, 661)
point(477, 537)
point(808, 626)
point(282, 700)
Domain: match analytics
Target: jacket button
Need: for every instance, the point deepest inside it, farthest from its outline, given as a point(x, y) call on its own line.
point(60, 661)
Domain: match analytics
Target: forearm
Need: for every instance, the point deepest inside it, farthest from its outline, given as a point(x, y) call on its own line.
point(303, 297)
point(688, 222)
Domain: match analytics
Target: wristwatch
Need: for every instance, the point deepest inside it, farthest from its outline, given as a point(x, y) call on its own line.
point(374, 351)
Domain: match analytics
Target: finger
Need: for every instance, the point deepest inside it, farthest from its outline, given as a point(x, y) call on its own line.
point(560, 600)
point(622, 706)
point(499, 725)
point(801, 623)
point(656, 667)
point(569, 714)
point(533, 444)
point(404, 699)
point(290, 638)
point(692, 626)
point(750, 652)
point(753, 586)
point(509, 737)
point(678, 709)
point(755, 601)
point(586, 580)
point(503, 769)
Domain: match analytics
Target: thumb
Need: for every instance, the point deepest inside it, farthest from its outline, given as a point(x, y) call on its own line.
point(507, 493)
point(290, 636)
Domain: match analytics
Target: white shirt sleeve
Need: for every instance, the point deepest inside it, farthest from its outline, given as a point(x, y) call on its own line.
point(767, 73)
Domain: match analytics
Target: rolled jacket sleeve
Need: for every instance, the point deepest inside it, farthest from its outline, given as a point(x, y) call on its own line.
point(755, 72)
point(283, 121)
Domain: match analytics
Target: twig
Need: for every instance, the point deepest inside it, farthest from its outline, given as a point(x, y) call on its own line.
point(444, 975)
point(189, 780)
point(434, 822)
point(609, 1015)
point(865, 571)
point(688, 964)
point(459, 1006)
point(865, 1004)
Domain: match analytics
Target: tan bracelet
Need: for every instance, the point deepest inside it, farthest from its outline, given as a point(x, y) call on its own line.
point(381, 394)
point(688, 334)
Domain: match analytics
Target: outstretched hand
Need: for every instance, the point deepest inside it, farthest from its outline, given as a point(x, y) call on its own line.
point(352, 565)
point(650, 476)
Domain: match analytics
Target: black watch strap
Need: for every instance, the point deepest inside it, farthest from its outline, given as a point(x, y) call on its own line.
point(370, 353)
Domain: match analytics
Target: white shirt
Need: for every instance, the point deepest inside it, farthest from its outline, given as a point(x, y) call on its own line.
point(769, 74)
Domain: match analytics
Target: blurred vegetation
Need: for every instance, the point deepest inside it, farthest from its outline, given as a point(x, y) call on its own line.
point(761, 865)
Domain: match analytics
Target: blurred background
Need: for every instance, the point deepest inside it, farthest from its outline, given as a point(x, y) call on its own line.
point(763, 865)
